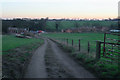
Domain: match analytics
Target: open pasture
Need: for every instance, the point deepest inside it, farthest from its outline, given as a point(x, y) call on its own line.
point(84, 39)
point(10, 42)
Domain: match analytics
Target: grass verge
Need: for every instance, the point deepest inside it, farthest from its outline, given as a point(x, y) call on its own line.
point(99, 68)
point(15, 61)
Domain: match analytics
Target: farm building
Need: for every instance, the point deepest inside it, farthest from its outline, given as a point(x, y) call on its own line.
point(68, 30)
point(17, 30)
point(86, 29)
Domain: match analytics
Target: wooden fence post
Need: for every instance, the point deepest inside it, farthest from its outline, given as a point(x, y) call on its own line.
point(64, 40)
point(104, 44)
point(98, 49)
point(72, 42)
point(88, 47)
point(67, 41)
point(79, 44)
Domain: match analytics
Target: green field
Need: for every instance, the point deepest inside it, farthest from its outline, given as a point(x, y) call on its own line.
point(71, 24)
point(84, 37)
point(105, 67)
point(17, 52)
point(10, 42)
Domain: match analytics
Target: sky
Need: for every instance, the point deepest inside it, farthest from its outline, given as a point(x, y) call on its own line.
point(72, 9)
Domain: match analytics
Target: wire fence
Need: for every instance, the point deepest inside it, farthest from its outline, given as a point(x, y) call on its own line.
point(85, 47)
point(109, 49)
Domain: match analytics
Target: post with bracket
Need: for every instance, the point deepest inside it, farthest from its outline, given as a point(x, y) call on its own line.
point(79, 44)
point(67, 41)
point(98, 49)
point(72, 42)
point(104, 44)
point(88, 47)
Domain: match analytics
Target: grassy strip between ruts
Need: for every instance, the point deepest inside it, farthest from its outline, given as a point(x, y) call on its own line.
point(15, 61)
point(100, 68)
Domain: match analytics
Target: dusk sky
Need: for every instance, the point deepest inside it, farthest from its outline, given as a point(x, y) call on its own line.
point(75, 9)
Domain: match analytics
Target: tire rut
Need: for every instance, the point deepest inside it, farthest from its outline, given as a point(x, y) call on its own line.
point(53, 66)
point(36, 68)
point(49, 61)
point(69, 65)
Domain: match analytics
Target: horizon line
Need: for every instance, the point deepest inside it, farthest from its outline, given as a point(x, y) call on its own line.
point(61, 18)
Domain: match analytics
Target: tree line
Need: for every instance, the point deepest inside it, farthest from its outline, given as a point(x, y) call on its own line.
point(24, 23)
point(55, 24)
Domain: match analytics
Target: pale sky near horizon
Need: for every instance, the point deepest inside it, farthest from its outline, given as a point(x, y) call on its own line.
point(75, 9)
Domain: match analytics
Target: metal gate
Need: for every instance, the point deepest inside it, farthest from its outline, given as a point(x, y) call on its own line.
point(111, 46)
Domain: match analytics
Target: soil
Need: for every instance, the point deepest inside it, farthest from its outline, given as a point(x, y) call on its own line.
point(15, 62)
point(49, 61)
point(36, 68)
point(53, 66)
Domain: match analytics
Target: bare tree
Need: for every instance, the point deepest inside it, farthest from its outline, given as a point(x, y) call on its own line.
point(76, 24)
point(57, 24)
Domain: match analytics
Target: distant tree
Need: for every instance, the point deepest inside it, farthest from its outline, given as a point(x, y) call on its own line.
point(76, 24)
point(97, 24)
point(43, 23)
point(85, 24)
point(114, 26)
point(4, 26)
point(17, 22)
point(32, 25)
point(57, 24)
point(14, 26)
point(111, 26)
